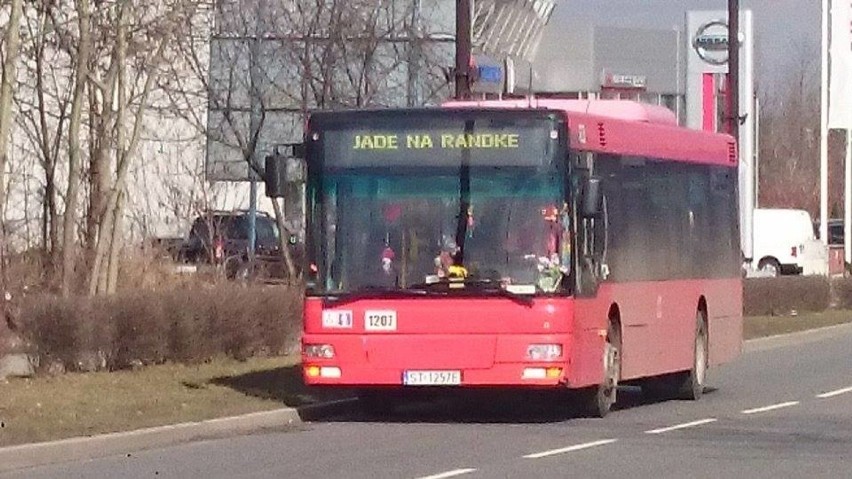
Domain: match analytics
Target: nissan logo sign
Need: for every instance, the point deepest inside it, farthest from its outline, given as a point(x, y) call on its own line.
point(711, 42)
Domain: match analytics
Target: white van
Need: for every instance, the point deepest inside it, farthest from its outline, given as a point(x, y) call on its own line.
point(784, 243)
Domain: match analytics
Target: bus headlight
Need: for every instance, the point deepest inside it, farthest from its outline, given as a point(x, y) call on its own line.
point(544, 352)
point(322, 372)
point(325, 351)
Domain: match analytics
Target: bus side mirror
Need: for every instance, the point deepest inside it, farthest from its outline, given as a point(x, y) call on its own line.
point(283, 170)
point(592, 198)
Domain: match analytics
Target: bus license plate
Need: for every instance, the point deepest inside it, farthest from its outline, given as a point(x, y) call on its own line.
point(432, 378)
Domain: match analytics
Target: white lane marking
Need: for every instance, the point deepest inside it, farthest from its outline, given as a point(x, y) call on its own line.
point(770, 408)
point(836, 392)
point(453, 473)
point(681, 426)
point(563, 450)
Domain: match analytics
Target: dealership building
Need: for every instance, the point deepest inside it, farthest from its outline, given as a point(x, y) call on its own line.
point(682, 68)
point(586, 61)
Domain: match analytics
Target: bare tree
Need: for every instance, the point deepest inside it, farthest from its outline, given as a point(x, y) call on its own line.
point(283, 60)
point(81, 71)
point(104, 273)
point(93, 69)
point(11, 41)
point(789, 138)
point(43, 112)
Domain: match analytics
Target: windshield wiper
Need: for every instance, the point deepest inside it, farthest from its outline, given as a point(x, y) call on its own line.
point(377, 292)
point(478, 286)
point(442, 288)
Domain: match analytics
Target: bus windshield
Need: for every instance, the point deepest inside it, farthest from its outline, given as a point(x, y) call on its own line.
point(485, 192)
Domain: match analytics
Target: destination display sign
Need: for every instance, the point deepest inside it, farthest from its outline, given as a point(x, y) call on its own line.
point(428, 140)
point(529, 144)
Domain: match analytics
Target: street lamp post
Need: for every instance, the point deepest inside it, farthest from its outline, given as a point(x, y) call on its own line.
point(734, 68)
point(463, 46)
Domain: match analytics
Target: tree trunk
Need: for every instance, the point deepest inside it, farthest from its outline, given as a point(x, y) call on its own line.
point(69, 246)
point(52, 214)
point(98, 280)
point(49, 146)
point(116, 243)
point(121, 153)
point(98, 171)
point(11, 43)
point(99, 161)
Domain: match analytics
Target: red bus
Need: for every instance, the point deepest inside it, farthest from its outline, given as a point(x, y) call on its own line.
point(553, 244)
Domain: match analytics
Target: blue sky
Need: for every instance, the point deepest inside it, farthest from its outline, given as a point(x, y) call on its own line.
point(786, 30)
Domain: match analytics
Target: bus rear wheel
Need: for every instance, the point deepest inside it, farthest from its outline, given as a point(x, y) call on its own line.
point(691, 383)
point(598, 400)
point(687, 384)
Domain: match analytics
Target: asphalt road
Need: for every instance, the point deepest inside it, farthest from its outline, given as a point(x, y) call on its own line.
point(784, 409)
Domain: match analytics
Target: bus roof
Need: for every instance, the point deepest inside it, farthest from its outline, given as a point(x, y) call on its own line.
point(627, 128)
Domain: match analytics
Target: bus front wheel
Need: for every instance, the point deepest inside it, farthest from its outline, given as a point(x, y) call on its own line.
point(599, 399)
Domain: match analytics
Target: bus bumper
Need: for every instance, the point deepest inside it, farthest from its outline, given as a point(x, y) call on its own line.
point(502, 375)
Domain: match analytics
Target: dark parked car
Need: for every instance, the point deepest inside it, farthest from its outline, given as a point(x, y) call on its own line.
point(222, 238)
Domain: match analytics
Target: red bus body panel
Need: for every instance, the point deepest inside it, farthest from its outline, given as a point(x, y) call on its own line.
point(658, 322)
point(485, 338)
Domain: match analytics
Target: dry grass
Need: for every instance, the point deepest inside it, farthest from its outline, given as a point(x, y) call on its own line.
point(151, 269)
point(761, 326)
point(47, 408)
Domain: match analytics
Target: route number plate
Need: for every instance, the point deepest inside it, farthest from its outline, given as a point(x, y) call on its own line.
point(432, 378)
point(376, 320)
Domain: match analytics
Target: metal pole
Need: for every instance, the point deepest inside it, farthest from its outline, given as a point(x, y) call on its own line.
point(254, 125)
point(678, 94)
point(463, 46)
point(823, 135)
point(756, 151)
point(252, 216)
point(847, 206)
point(734, 68)
point(414, 55)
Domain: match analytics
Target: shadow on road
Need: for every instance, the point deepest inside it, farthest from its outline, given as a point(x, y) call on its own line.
point(421, 406)
point(280, 384)
point(482, 407)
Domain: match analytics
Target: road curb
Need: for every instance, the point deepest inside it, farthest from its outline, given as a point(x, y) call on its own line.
point(120, 443)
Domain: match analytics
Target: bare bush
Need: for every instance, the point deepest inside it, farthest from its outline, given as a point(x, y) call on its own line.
point(186, 325)
point(843, 292)
point(785, 295)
